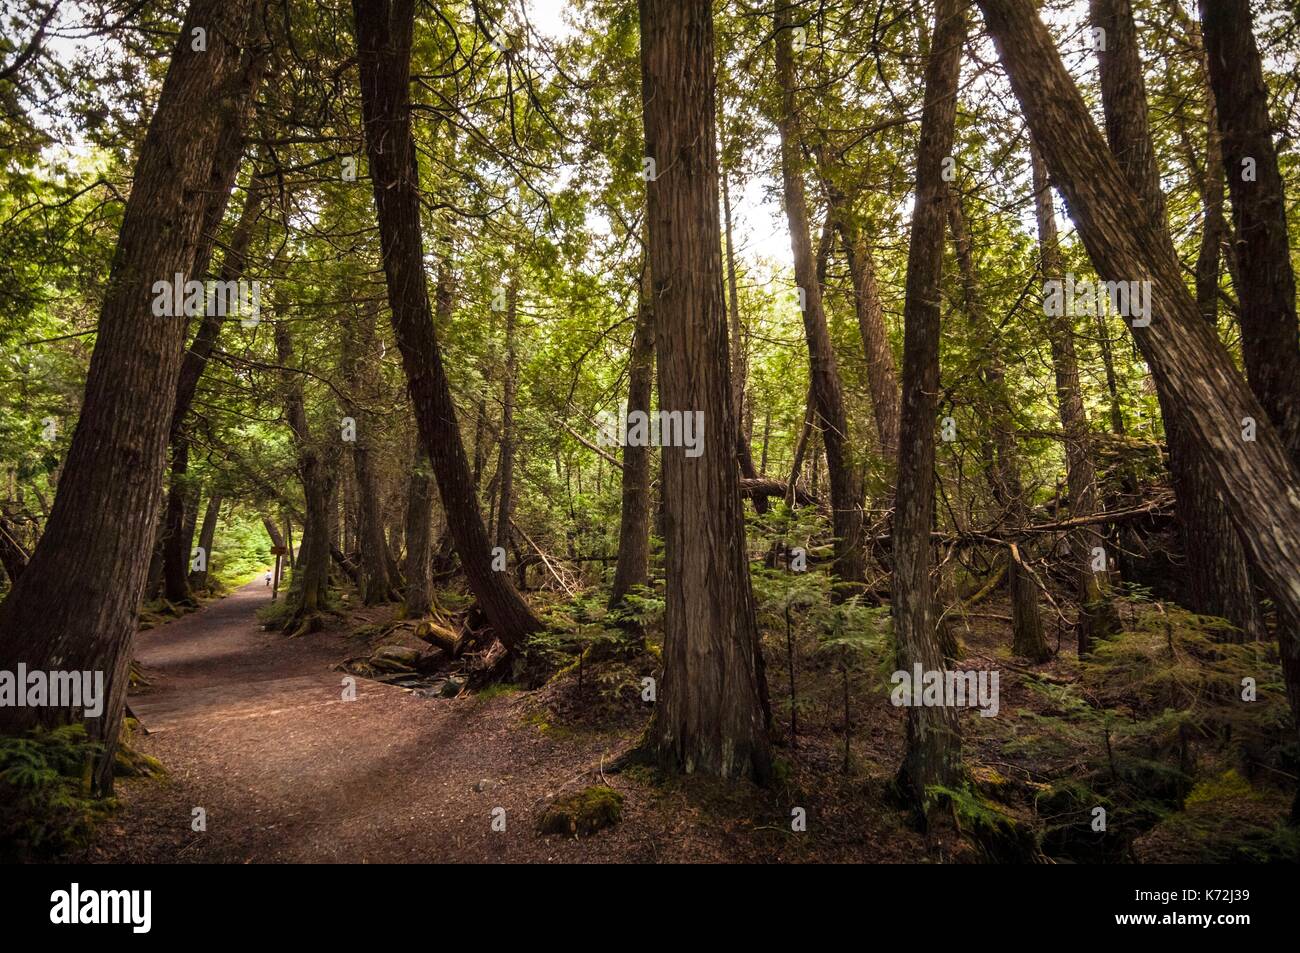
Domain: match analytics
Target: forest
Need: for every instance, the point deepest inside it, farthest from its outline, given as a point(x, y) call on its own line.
point(685, 431)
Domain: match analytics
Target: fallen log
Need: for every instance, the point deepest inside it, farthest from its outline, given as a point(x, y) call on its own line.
point(439, 635)
point(756, 488)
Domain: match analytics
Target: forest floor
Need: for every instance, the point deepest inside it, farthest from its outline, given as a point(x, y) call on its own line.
point(250, 726)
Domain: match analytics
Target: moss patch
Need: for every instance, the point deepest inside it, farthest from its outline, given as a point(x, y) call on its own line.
point(582, 814)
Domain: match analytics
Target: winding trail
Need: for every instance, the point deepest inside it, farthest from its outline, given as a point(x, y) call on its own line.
point(252, 727)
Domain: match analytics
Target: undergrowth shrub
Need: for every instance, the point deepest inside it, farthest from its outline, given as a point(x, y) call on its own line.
point(1157, 709)
point(45, 803)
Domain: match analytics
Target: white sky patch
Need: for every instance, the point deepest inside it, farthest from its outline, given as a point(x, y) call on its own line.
point(759, 226)
point(550, 18)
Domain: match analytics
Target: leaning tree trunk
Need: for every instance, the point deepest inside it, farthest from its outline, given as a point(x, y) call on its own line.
point(384, 29)
point(933, 755)
point(1255, 477)
point(175, 544)
point(75, 605)
point(417, 569)
point(844, 473)
point(1218, 582)
point(1270, 342)
point(1097, 615)
point(709, 717)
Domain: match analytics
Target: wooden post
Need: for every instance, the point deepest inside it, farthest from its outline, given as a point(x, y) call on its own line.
point(278, 552)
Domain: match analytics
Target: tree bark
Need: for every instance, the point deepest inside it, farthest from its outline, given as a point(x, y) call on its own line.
point(1218, 580)
point(882, 374)
point(1270, 341)
point(846, 487)
point(418, 565)
point(1256, 478)
point(1097, 615)
point(801, 447)
point(309, 587)
point(358, 355)
point(181, 495)
point(182, 498)
point(506, 466)
point(632, 568)
point(384, 31)
point(744, 453)
point(1264, 279)
point(933, 754)
point(207, 533)
point(74, 606)
point(709, 717)
point(13, 557)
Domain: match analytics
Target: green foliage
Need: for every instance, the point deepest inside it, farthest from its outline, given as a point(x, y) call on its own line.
point(1225, 820)
point(45, 805)
point(1155, 707)
point(582, 629)
point(240, 550)
point(1003, 837)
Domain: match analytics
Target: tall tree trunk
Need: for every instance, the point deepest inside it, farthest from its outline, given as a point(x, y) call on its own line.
point(1270, 341)
point(744, 453)
point(1256, 479)
point(74, 607)
point(310, 584)
point(632, 567)
point(384, 29)
point(1218, 580)
point(882, 374)
point(417, 569)
point(801, 447)
point(362, 389)
point(1008, 490)
point(1264, 278)
point(418, 566)
point(181, 495)
point(1214, 230)
point(1097, 615)
point(207, 533)
point(844, 472)
point(709, 717)
point(506, 467)
point(933, 755)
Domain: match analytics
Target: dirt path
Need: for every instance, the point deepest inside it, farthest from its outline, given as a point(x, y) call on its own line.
point(252, 727)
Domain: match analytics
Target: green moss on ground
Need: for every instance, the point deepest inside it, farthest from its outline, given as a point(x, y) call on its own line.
point(584, 813)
